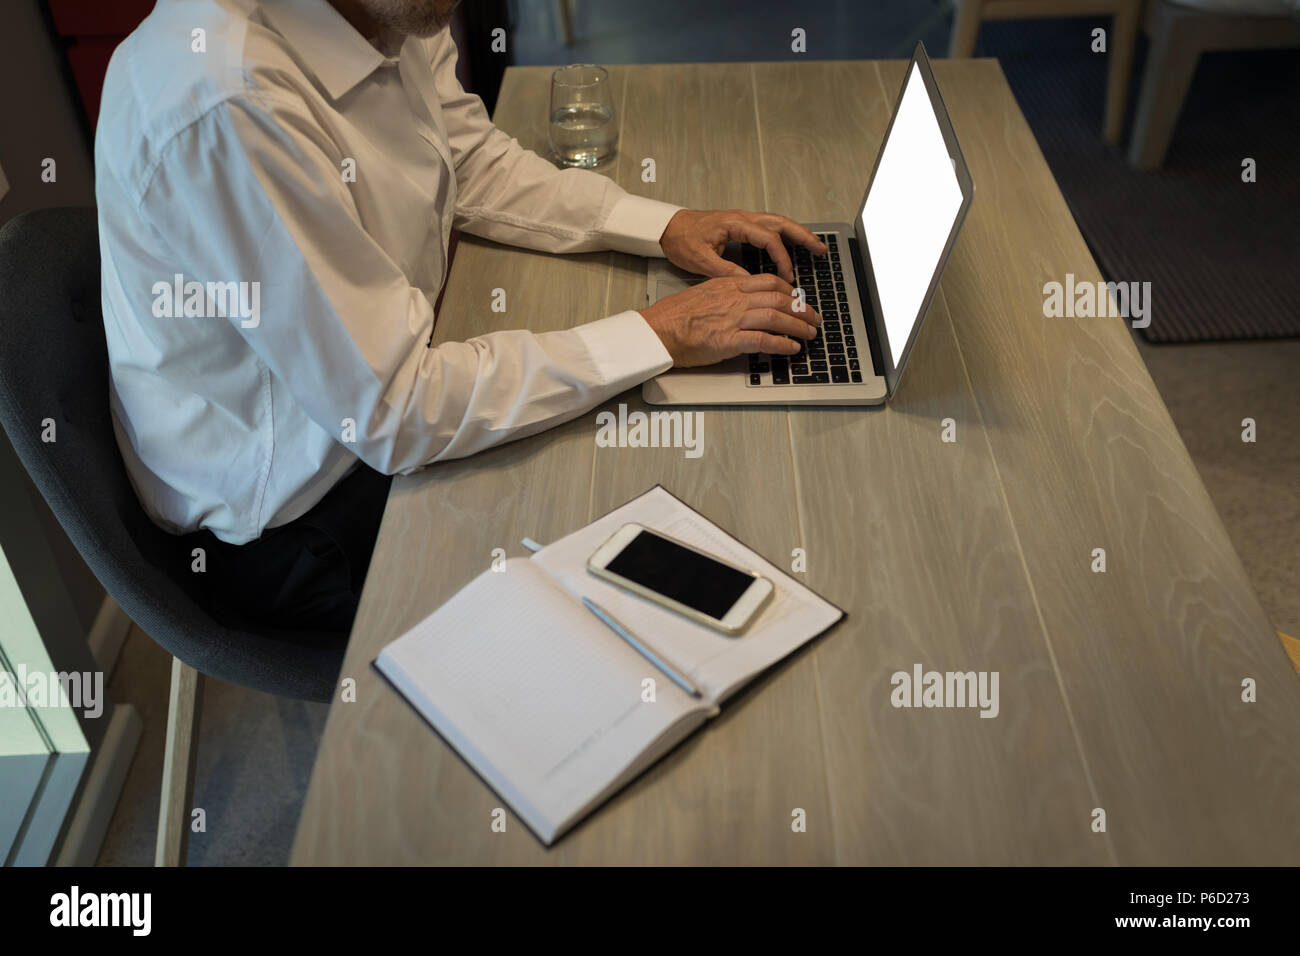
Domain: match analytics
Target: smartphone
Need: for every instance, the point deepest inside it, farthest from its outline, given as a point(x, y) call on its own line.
point(682, 578)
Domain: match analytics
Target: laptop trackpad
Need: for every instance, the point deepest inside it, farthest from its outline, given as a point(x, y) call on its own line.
point(664, 279)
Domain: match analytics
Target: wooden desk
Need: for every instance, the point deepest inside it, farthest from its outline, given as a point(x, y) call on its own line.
point(1119, 690)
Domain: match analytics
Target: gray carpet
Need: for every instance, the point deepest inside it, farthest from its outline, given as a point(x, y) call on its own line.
point(1222, 255)
point(254, 763)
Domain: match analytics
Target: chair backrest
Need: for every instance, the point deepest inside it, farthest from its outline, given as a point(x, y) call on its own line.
point(54, 407)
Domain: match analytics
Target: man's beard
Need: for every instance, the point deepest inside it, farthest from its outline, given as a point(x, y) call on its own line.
point(418, 18)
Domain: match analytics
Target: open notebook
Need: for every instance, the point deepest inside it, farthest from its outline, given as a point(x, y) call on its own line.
point(547, 703)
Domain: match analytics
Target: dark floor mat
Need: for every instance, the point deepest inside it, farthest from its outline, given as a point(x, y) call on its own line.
point(1222, 255)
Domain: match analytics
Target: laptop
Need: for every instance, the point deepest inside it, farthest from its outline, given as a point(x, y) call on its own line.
point(873, 288)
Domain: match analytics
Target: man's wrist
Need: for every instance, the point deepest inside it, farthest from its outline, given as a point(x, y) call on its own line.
point(670, 227)
point(665, 332)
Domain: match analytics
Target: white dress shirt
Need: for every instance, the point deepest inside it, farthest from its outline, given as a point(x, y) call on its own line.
point(230, 165)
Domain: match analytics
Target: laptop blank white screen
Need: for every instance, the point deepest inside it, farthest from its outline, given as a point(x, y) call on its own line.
point(909, 212)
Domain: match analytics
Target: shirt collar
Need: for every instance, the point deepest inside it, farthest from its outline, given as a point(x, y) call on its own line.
point(335, 53)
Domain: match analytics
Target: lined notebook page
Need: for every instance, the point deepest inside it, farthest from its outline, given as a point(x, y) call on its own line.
point(718, 662)
point(541, 698)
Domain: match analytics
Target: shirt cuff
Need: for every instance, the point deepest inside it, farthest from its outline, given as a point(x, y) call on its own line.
point(624, 349)
point(635, 224)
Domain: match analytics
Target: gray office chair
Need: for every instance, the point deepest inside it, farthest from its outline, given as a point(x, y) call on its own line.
point(54, 366)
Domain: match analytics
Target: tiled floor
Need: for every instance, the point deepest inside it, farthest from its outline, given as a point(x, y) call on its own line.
point(256, 751)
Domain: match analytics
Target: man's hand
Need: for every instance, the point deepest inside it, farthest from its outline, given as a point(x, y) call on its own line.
point(694, 240)
point(721, 318)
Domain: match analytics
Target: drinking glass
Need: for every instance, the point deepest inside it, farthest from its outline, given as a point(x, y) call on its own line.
point(583, 131)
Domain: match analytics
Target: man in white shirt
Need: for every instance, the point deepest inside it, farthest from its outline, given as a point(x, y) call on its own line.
point(277, 181)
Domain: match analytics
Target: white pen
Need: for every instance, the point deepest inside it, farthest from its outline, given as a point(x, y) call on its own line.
point(641, 649)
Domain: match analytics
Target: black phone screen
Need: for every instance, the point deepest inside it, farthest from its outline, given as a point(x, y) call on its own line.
point(686, 576)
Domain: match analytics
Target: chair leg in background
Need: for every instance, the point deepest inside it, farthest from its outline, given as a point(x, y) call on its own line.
point(1122, 42)
point(1171, 63)
point(566, 21)
point(965, 27)
point(184, 706)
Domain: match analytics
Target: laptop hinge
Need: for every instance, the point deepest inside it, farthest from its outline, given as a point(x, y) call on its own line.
point(868, 306)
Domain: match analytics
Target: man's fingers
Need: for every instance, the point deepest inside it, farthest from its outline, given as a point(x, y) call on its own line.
point(756, 235)
point(786, 303)
point(774, 320)
point(756, 341)
point(795, 232)
point(709, 263)
point(765, 282)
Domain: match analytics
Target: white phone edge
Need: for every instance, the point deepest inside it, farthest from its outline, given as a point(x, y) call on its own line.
point(738, 615)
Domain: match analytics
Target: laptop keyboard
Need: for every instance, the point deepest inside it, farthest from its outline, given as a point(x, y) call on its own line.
point(832, 357)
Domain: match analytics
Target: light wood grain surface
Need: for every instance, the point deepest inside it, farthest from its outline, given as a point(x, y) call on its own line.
point(1120, 691)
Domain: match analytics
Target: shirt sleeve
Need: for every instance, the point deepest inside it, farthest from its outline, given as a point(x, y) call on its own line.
point(252, 192)
point(512, 195)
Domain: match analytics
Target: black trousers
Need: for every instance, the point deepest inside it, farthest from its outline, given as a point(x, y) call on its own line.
point(304, 575)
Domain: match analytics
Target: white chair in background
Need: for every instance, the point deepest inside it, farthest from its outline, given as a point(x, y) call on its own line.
point(1123, 36)
point(1180, 31)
